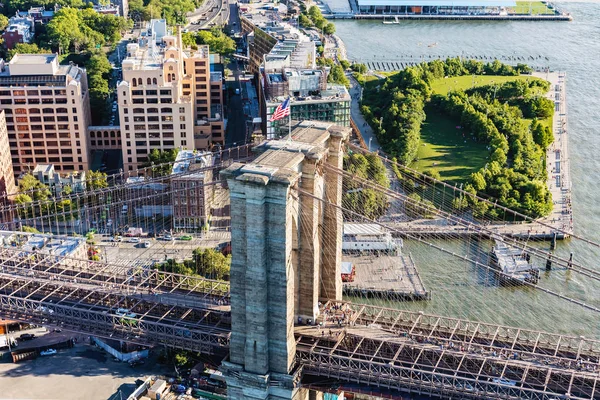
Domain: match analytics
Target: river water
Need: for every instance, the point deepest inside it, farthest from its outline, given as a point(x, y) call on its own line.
point(574, 47)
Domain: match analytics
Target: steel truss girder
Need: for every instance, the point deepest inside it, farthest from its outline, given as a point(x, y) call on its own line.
point(196, 289)
point(107, 325)
point(425, 368)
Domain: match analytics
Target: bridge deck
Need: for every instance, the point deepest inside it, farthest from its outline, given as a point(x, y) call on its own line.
point(432, 354)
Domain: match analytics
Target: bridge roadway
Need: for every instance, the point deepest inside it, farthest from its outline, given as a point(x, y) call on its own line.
point(445, 357)
point(91, 309)
point(186, 290)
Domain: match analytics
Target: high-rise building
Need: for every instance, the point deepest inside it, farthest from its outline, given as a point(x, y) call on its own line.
point(47, 111)
point(7, 178)
point(168, 97)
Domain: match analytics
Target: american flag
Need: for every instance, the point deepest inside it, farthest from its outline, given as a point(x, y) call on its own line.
point(283, 110)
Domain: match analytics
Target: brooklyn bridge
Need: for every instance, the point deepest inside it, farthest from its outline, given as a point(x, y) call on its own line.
point(280, 327)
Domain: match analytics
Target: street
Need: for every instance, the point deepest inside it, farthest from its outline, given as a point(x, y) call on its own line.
point(135, 254)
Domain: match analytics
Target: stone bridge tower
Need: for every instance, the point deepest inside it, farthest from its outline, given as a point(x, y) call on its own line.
point(282, 262)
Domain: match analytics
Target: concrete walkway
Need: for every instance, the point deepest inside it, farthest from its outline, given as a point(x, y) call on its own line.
point(364, 128)
point(557, 156)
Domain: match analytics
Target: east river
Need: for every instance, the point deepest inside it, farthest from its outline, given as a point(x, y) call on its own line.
point(458, 288)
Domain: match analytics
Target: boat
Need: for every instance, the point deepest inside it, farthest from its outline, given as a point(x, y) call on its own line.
point(512, 265)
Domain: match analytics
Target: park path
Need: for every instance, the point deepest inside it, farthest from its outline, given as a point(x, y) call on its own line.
point(365, 129)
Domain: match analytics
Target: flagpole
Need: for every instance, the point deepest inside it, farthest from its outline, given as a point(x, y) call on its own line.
point(290, 124)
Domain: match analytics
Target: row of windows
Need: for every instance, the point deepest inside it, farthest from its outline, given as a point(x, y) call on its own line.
point(35, 101)
point(65, 146)
point(30, 92)
point(154, 126)
point(163, 92)
point(27, 152)
point(105, 133)
point(149, 81)
point(105, 143)
point(164, 118)
point(22, 111)
point(163, 100)
point(29, 160)
point(164, 110)
point(58, 167)
point(60, 118)
point(165, 143)
point(40, 135)
point(48, 127)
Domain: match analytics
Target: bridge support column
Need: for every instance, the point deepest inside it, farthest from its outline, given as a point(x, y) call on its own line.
point(309, 264)
point(333, 222)
point(246, 386)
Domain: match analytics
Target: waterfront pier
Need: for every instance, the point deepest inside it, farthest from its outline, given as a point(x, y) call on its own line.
point(385, 277)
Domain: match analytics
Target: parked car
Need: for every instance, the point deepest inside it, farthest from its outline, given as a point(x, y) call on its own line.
point(134, 240)
point(147, 244)
point(186, 237)
point(178, 388)
point(48, 352)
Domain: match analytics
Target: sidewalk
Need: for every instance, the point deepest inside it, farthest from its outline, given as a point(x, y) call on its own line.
point(364, 128)
point(557, 156)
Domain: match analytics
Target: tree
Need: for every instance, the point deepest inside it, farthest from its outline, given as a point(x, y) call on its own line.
point(181, 359)
point(161, 161)
point(217, 41)
point(95, 180)
point(305, 21)
point(337, 75)
point(345, 64)
point(3, 22)
point(211, 264)
point(36, 190)
point(329, 28)
point(360, 68)
point(358, 198)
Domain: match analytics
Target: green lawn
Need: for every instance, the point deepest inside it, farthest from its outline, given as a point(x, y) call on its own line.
point(443, 148)
point(531, 7)
point(465, 82)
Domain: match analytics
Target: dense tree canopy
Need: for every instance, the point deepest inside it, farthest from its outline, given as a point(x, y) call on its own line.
point(209, 263)
point(494, 114)
point(359, 199)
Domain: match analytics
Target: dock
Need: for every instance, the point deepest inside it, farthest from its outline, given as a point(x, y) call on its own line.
point(385, 277)
point(441, 17)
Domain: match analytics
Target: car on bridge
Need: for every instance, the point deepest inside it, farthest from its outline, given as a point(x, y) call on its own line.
point(49, 352)
point(124, 312)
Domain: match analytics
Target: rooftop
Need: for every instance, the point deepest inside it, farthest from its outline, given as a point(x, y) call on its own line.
point(33, 59)
point(190, 160)
point(363, 229)
point(63, 246)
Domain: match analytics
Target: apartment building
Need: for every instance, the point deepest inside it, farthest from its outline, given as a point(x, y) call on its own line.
point(7, 178)
point(19, 30)
point(168, 97)
point(47, 112)
point(191, 198)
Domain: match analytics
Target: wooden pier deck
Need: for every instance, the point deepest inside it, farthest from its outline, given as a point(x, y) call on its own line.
point(385, 277)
